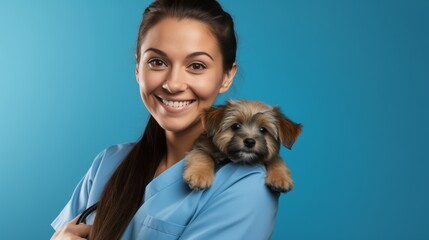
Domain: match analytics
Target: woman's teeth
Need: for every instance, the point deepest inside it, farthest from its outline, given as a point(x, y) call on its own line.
point(176, 104)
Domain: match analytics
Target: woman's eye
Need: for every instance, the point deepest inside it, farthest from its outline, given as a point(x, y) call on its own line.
point(197, 67)
point(156, 63)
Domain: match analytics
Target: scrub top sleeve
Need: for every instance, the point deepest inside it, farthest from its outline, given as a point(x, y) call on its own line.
point(246, 209)
point(79, 198)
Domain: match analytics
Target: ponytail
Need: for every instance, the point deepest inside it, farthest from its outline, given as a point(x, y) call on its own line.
point(124, 192)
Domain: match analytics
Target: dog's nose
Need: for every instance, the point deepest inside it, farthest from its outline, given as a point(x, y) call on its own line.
point(249, 142)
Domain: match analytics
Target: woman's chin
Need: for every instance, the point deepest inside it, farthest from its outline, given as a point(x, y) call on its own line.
point(181, 126)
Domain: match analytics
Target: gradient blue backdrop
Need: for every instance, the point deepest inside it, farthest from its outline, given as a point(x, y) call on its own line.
point(355, 73)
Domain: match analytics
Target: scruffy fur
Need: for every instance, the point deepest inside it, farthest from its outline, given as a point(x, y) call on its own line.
point(246, 132)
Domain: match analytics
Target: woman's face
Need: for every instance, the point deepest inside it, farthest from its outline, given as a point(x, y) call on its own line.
point(180, 72)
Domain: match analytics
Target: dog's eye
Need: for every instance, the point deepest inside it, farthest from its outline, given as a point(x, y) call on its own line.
point(236, 126)
point(263, 130)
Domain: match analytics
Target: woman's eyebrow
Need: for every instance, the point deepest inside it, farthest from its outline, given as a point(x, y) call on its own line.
point(156, 51)
point(195, 54)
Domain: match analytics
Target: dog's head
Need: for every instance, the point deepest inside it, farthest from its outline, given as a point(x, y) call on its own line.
point(249, 131)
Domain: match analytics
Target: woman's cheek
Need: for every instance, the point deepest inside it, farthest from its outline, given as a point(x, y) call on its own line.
point(152, 80)
point(207, 88)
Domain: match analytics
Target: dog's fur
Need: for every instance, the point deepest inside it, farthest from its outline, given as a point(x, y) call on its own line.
point(242, 132)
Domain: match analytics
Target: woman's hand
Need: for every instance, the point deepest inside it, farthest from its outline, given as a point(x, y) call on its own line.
point(71, 231)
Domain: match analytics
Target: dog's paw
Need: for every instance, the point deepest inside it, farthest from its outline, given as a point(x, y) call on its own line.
point(198, 179)
point(279, 182)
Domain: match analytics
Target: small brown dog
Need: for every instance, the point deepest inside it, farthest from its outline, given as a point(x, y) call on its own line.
point(242, 132)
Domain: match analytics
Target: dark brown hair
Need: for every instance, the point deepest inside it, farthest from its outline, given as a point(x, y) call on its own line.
point(124, 192)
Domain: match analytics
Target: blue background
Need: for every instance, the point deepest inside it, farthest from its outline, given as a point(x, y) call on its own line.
point(355, 73)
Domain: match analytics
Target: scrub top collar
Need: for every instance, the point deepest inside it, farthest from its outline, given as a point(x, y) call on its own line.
point(163, 180)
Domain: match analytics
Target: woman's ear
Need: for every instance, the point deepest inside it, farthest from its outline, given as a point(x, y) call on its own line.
point(228, 78)
point(137, 70)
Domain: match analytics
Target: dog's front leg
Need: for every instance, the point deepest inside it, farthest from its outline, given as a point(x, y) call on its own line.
point(278, 175)
point(199, 169)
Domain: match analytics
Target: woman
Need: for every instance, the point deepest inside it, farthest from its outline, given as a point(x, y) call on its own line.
point(185, 57)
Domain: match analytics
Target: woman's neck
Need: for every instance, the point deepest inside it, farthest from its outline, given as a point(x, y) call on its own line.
point(178, 143)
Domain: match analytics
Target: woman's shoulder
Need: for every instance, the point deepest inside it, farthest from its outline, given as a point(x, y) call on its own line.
point(232, 173)
point(113, 153)
point(90, 187)
point(243, 181)
point(239, 192)
point(119, 149)
point(108, 159)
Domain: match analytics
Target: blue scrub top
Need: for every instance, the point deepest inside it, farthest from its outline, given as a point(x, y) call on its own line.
point(238, 205)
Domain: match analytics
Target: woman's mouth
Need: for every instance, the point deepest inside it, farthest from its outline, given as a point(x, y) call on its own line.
point(175, 106)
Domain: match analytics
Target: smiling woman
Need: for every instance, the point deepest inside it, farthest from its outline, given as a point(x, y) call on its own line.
point(181, 73)
point(185, 58)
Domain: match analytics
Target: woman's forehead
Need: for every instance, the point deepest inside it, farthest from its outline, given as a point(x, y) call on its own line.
point(178, 38)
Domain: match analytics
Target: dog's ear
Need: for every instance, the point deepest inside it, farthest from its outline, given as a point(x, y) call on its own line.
point(212, 118)
point(288, 130)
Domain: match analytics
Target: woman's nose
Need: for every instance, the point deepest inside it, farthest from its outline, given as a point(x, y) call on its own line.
point(175, 82)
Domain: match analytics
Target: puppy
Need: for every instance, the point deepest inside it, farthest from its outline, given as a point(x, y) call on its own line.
point(243, 131)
